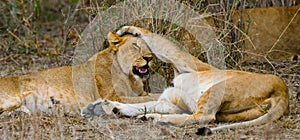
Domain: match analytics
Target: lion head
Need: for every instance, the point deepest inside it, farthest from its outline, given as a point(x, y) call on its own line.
point(134, 56)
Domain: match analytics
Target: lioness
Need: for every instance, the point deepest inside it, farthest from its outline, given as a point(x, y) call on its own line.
point(202, 93)
point(113, 74)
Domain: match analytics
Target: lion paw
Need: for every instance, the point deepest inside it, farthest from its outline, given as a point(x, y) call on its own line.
point(136, 31)
point(203, 131)
point(92, 110)
point(147, 117)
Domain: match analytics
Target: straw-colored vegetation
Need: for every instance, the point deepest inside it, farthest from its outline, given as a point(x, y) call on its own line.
point(37, 35)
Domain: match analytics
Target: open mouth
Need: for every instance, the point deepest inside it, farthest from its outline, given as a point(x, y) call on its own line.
point(141, 71)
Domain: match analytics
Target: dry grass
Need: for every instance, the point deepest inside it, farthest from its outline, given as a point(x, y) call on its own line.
point(35, 36)
point(19, 125)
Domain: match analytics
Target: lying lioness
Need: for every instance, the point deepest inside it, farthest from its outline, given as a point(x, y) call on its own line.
point(114, 74)
point(202, 93)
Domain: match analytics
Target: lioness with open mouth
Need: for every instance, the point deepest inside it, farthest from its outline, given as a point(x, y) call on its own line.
point(116, 73)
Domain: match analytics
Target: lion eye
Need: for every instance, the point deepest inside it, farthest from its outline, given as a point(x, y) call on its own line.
point(116, 42)
point(136, 45)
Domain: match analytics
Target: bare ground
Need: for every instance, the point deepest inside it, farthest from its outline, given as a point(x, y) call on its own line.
point(18, 125)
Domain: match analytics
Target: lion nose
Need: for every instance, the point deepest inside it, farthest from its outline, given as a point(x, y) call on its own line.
point(148, 58)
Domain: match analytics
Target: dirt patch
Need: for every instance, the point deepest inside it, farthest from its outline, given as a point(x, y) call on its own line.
point(19, 125)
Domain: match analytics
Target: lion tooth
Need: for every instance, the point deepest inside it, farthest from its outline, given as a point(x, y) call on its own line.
point(142, 70)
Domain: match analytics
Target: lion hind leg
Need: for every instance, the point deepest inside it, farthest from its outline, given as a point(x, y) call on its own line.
point(247, 114)
point(276, 110)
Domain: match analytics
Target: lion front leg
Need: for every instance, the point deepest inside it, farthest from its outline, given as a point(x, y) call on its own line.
point(167, 51)
point(166, 104)
point(130, 110)
point(101, 107)
point(162, 106)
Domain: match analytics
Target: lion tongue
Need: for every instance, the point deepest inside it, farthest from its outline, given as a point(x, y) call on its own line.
point(141, 70)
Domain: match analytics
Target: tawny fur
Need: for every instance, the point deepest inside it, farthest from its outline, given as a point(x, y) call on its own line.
point(204, 94)
point(108, 75)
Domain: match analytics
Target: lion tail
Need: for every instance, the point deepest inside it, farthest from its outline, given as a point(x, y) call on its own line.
point(275, 112)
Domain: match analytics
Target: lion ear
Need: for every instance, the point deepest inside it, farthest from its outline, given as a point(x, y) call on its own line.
point(114, 40)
